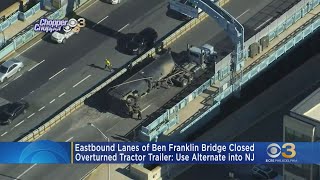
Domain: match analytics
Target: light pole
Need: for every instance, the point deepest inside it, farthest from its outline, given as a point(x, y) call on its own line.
point(106, 138)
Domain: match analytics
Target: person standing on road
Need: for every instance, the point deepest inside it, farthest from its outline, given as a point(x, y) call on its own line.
point(107, 65)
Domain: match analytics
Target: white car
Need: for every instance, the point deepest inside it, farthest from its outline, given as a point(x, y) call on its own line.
point(62, 36)
point(263, 172)
point(114, 1)
point(9, 68)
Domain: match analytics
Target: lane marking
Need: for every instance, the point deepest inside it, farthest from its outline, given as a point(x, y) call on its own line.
point(62, 94)
point(5, 85)
point(263, 23)
point(18, 77)
point(19, 123)
point(41, 108)
point(146, 108)
point(243, 13)
point(69, 139)
point(52, 101)
point(81, 81)
point(30, 115)
point(100, 21)
point(123, 27)
point(36, 65)
point(57, 73)
point(4, 134)
point(24, 172)
point(87, 7)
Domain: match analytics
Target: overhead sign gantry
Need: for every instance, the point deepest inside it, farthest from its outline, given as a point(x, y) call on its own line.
point(230, 24)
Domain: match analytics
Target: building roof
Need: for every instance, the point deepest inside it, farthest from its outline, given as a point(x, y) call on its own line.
point(310, 106)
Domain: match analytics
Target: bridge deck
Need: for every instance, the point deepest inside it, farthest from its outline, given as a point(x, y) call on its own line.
point(187, 114)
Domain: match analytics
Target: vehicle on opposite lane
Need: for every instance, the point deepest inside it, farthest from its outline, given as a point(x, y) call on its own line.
point(142, 41)
point(9, 68)
point(62, 36)
point(12, 110)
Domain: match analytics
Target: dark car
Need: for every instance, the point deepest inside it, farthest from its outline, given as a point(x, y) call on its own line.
point(10, 111)
point(141, 41)
point(263, 172)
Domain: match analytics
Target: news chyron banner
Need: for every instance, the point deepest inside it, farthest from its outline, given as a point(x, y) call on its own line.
point(48, 152)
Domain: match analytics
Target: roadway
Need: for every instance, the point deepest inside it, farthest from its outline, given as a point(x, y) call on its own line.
point(74, 127)
point(55, 74)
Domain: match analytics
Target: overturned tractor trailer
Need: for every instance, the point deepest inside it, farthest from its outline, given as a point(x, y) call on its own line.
point(163, 71)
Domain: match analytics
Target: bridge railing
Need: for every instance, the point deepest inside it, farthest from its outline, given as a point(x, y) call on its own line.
point(163, 123)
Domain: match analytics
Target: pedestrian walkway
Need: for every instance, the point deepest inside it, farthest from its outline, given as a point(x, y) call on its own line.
point(18, 26)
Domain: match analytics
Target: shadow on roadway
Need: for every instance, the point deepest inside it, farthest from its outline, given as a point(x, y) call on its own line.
point(6, 176)
point(121, 138)
point(176, 15)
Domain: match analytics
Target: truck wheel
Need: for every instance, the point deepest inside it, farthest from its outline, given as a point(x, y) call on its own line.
point(184, 82)
point(63, 41)
point(190, 78)
point(130, 100)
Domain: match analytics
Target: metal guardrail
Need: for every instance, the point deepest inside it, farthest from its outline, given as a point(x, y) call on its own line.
point(78, 103)
point(163, 123)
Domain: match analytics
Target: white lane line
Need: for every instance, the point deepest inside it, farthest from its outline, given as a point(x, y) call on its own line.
point(36, 65)
point(52, 101)
point(18, 77)
point(30, 115)
point(100, 21)
point(41, 108)
point(263, 24)
point(123, 27)
point(5, 85)
point(19, 123)
point(81, 81)
point(62, 94)
point(69, 139)
point(243, 13)
point(24, 172)
point(146, 108)
point(87, 7)
point(57, 73)
point(4, 134)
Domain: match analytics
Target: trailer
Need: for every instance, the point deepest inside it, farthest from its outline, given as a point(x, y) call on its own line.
point(163, 71)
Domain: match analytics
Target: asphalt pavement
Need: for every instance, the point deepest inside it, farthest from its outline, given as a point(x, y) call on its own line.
point(55, 74)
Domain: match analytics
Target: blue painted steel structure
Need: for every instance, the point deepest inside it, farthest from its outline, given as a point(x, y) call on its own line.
point(171, 117)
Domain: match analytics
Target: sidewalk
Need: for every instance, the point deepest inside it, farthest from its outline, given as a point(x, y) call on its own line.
point(18, 26)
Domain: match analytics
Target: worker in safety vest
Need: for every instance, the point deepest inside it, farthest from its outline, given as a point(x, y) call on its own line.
point(108, 65)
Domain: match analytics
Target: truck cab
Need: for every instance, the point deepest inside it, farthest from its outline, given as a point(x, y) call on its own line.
point(202, 55)
point(185, 7)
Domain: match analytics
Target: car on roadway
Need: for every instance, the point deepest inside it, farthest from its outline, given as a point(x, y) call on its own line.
point(142, 41)
point(263, 172)
point(62, 36)
point(114, 1)
point(11, 111)
point(9, 68)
